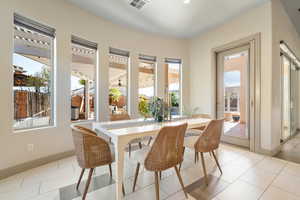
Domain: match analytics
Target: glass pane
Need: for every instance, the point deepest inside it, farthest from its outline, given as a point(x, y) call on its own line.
point(235, 94)
point(32, 65)
point(146, 84)
point(294, 98)
point(83, 72)
point(118, 66)
point(174, 87)
point(286, 98)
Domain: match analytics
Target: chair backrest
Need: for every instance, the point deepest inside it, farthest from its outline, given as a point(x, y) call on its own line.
point(119, 117)
point(91, 151)
point(210, 138)
point(167, 149)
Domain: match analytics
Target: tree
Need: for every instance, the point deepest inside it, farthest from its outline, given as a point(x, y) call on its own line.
point(39, 80)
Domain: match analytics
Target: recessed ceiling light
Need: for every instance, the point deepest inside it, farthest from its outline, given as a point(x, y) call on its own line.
point(186, 1)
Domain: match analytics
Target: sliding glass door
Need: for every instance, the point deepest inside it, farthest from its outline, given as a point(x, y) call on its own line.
point(289, 97)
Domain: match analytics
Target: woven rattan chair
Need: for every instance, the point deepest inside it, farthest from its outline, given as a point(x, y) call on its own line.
point(166, 152)
point(134, 141)
point(208, 141)
point(91, 151)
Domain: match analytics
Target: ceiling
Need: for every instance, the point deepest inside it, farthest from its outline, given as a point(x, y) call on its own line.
point(292, 8)
point(169, 17)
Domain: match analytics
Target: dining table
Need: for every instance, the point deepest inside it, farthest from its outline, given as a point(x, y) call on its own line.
point(122, 132)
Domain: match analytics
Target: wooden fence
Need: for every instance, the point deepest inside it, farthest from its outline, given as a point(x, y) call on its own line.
point(31, 104)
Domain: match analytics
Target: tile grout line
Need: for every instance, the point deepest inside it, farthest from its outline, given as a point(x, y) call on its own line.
point(272, 181)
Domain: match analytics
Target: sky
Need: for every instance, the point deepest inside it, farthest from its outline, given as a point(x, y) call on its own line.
point(28, 64)
point(232, 78)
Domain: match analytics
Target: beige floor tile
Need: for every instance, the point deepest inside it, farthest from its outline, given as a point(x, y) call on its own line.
point(288, 183)
point(147, 193)
point(107, 193)
point(11, 183)
point(272, 165)
point(56, 183)
point(59, 174)
point(231, 172)
point(53, 195)
point(274, 193)
point(292, 169)
point(241, 169)
point(170, 185)
point(180, 196)
point(258, 177)
point(145, 179)
point(240, 190)
point(199, 189)
point(191, 174)
point(26, 192)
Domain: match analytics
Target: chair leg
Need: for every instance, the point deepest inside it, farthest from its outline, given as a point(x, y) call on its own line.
point(129, 150)
point(204, 169)
point(123, 189)
point(87, 183)
point(156, 185)
point(136, 176)
point(195, 157)
point(80, 177)
point(160, 175)
point(149, 141)
point(140, 145)
point(110, 171)
point(180, 180)
point(182, 160)
point(216, 159)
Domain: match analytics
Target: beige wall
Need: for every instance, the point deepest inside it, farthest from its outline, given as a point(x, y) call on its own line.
point(257, 20)
point(282, 29)
point(68, 19)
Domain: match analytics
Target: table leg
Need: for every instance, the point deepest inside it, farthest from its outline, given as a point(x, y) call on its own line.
point(119, 151)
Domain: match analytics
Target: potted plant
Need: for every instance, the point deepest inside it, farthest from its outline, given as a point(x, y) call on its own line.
point(159, 109)
point(114, 96)
point(144, 107)
point(174, 103)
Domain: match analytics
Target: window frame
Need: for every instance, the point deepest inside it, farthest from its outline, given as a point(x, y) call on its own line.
point(34, 26)
point(150, 61)
point(180, 63)
point(78, 41)
point(126, 54)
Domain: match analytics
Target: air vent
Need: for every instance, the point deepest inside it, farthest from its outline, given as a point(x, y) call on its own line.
point(139, 4)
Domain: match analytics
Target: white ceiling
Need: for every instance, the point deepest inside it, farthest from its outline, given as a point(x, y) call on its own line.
point(169, 17)
point(292, 7)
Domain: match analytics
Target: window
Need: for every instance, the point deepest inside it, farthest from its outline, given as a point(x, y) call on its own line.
point(147, 81)
point(232, 82)
point(118, 81)
point(33, 74)
point(83, 84)
point(173, 84)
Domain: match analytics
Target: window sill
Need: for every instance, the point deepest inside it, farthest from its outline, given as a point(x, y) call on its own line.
point(19, 131)
point(83, 121)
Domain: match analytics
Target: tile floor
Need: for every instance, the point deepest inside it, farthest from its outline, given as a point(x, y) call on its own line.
point(235, 129)
point(291, 150)
point(246, 176)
